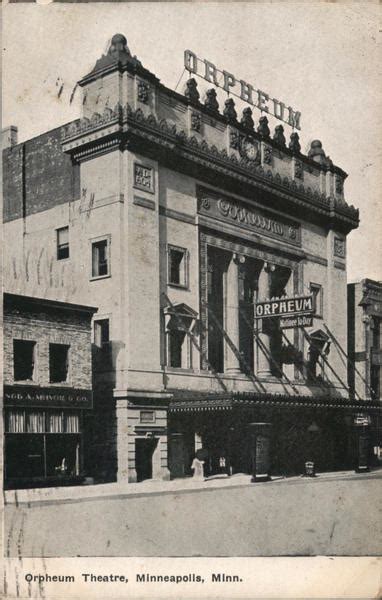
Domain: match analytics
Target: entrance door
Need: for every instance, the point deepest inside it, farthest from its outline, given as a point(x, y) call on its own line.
point(177, 455)
point(144, 450)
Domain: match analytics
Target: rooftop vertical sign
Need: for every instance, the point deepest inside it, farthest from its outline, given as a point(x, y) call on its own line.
point(241, 89)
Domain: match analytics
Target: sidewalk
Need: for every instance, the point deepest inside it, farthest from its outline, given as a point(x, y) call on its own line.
point(53, 495)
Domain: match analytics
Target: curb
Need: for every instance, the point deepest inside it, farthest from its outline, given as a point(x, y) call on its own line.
point(118, 492)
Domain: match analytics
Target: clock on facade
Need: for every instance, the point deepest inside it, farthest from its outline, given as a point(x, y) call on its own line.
point(249, 148)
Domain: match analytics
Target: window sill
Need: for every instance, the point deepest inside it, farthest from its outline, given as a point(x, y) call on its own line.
point(178, 285)
point(25, 382)
point(98, 277)
point(59, 384)
point(63, 259)
point(178, 370)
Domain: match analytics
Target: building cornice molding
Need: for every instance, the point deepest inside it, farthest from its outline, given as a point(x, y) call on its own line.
point(123, 125)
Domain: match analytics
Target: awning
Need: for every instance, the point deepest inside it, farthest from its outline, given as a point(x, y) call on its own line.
point(225, 401)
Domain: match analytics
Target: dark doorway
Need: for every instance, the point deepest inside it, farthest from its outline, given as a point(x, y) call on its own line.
point(144, 450)
point(177, 455)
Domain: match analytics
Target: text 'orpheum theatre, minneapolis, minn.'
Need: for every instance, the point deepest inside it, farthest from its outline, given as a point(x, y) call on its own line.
point(215, 253)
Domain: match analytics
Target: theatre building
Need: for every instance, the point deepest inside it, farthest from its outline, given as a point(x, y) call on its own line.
point(47, 392)
point(215, 252)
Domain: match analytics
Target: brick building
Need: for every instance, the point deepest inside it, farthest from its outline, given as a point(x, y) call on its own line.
point(47, 390)
point(365, 347)
point(176, 218)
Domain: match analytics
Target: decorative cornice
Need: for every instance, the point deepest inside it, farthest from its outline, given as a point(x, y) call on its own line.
point(177, 215)
point(134, 123)
point(229, 400)
point(316, 259)
point(144, 202)
point(339, 265)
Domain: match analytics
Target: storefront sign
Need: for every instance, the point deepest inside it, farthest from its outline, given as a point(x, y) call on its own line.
point(241, 89)
point(300, 305)
point(25, 395)
point(248, 217)
point(300, 321)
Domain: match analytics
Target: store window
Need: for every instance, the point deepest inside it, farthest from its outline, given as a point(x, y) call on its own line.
point(101, 332)
point(100, 258)
point(58, 363)
point(62, 243)
point(23, 360)
point(42, 444)
point(177, 266)
point(317, 292)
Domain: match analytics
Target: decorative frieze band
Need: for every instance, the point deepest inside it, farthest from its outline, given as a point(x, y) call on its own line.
point(247, 216)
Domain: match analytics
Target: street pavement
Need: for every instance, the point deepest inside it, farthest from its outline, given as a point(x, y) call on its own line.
point(326, 515)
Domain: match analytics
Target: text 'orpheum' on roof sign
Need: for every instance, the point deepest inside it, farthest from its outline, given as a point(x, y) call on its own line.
point(241, 89)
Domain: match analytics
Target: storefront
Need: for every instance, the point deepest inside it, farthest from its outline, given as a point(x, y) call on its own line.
point(217, 427)
point(47, 350)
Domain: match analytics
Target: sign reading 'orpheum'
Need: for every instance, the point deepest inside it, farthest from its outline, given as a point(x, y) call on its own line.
point(241, 89)
point(282, 307)
point(248, 217)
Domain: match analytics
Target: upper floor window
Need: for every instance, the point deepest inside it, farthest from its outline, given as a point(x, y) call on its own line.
point(101, 332)
point(177, 266)
point(58, 363)
point(23, 360)
point(101, 257)
point(317, 291)
point(62, 243)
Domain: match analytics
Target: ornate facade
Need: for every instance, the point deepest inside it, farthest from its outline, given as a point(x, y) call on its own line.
point(180, 218)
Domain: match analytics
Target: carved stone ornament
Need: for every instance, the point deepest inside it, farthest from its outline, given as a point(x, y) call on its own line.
point(268, 155)
point(196, 121)
point(316, 152)
point(143, 178)
point(234, 140)
point(279, 136)
point(211, 102)
point(249, 149)
point(246, 119)
point(339, 186)
point(191, 92)
point(298, 169)
point(143, 90)
point(339, 247)
point(229, 111)
point(294, 143)
point(263, 128)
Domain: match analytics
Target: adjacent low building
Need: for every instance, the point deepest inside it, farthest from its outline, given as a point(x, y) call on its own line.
point(178, 218)
point(47, 391)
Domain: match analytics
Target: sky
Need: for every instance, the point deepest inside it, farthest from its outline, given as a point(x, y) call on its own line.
point(323, 59)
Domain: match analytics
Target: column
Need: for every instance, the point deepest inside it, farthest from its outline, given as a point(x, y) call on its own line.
point(232, 313)
point(122, 440)
point(159, 459)
point(264, 352)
